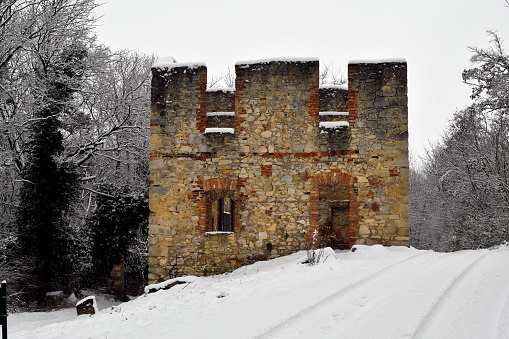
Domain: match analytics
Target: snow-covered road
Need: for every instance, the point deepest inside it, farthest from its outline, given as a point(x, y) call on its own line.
point(374, 292)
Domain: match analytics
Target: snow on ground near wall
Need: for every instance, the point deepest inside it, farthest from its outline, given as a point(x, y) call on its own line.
point(374, 292)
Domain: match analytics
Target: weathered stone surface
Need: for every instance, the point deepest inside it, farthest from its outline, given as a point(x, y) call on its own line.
point(285, 177)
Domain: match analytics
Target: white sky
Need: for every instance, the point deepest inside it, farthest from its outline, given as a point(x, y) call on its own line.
point(433, 36)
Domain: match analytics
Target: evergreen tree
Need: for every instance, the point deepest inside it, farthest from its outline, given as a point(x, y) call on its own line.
point(49, 184)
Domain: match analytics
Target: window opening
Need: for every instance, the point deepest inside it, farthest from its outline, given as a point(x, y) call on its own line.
point(222, 215)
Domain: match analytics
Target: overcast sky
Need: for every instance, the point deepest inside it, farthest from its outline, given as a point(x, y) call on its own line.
point(433, 36)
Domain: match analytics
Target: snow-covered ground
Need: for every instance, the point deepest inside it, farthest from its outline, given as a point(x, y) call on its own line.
point(374, 292)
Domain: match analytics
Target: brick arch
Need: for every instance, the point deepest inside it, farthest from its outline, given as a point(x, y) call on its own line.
point(215, 189)
point(314, 207)
point(220, 184)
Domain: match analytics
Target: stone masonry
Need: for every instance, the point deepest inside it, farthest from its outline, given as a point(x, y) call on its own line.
point(247, 174)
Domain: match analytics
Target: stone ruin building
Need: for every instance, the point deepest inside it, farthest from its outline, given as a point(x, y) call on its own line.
point(247, 174)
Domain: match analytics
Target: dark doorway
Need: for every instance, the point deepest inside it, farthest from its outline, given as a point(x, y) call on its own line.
point(334, 215)
point(340, 237)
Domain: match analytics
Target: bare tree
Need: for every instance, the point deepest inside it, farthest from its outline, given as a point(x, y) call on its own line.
point(460, 199)
point(223, 80)
point(329, 75)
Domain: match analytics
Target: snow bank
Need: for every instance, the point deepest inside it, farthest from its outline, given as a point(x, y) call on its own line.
point(163, 285)
point(403, 292)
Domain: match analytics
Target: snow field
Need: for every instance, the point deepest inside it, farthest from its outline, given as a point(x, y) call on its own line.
point(374, 292)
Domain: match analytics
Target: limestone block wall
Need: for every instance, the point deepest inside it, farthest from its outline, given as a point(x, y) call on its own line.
point(379, 113)
point(281, 175)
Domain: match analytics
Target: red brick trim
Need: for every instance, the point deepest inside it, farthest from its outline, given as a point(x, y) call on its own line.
point(201, 112)
point(240, 111)
point(267, 170)
point(353, 95)
point(314, 100)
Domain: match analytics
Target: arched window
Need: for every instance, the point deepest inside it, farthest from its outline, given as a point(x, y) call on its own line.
point(220, 211)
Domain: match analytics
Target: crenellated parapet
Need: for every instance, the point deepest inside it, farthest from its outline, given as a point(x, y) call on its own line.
point(246, 174)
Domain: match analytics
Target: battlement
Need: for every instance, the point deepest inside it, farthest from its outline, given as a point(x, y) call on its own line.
point(244, 174)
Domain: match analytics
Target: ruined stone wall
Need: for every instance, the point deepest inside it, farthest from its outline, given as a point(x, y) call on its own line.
point(379, 112)
point(284, 171)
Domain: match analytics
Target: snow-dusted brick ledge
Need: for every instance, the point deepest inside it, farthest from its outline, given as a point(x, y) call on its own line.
point(221, 89)
point(330, 86)
point(334, 124)
point(218, 232)
point(221, 130)
point(218, 114)
point(325, 126)
point(333, 113)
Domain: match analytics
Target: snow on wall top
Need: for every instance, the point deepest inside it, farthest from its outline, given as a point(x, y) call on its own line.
point(333, 124)
point(216, 114)
point(276, 59)
point(170, 62)
point(345, 87)
point(221, 89)
point(219, 130)
point(327, 113)
point(378, 61)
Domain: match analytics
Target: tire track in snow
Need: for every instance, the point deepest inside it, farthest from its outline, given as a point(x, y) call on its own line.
point(443, 298)
point(379, 302)
point(502, 328)
point(473, 306)
point(396, 302)
point(271, 331)
point(405, 301)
